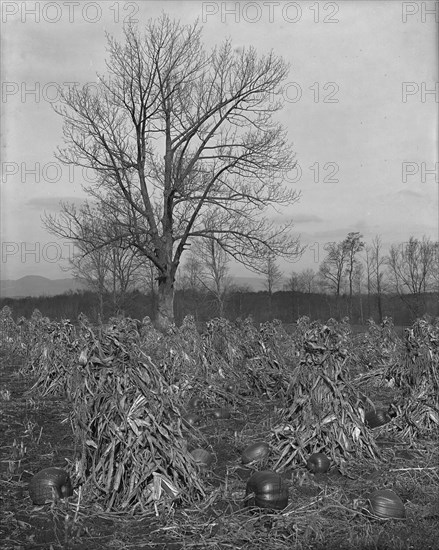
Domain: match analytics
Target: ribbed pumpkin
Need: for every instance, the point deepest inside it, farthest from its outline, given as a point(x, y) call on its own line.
point(318, 463)
point(266, 489)
point(220, 414)
point(385, 503)
point(373, 419)
point(49, 485)
point(255, 452)
point(203, 458)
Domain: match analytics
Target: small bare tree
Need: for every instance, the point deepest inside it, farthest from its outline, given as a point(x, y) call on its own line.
point(110, 270)
point(332, 269)
point(352, 245)
point(273, 275)
point(93, 268)
point(178, 136)
point(191, 273)
point(306, 280)
point(379, 261)
point(292, 283)
point(215, 271)
point(273, 278)
point(412, 270)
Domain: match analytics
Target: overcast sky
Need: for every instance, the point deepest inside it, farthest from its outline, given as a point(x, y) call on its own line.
point(361, 109)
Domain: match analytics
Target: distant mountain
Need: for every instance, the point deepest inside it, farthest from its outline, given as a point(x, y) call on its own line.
point(35, 285)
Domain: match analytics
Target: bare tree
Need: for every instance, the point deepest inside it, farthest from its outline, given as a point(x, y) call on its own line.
point(368, 267)
point(215, 271)
point(292, 283)
point(304, 281)
point(180, 136)
point(108, 269)
point(340, 261)
point(352, 245)
point(332, 268)
point(273, 275)
point(92, 267)
point(378, 261)
point(307, 279)
point(191, 273)
point(412, 270)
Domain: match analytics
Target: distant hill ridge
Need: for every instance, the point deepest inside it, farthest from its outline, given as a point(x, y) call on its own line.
point(36, 285)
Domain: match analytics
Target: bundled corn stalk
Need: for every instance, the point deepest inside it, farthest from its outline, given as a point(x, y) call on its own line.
point(10, 333)
point(133, 455)
point(324, 413)
point(53, 353)
point(417, 377)
point(230, 342)
point(379, 346)
point(256, 358)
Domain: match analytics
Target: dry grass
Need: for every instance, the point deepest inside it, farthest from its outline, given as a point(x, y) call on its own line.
point(136, 483)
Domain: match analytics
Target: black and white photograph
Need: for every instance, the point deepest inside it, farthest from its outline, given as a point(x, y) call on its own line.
point(219, 275)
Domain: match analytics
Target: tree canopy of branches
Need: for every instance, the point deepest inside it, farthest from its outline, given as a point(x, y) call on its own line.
point(179, 136)
point(352, 246)
point(109, 270)
point(215, 271)
point(331, 269)
point(304, 281)
point(340, 262)
point(412, 268)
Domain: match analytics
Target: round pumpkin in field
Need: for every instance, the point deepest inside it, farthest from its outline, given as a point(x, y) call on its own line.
point(267, 489)
point(318, 463)
point(255, 452)
point(385, 503)
point(50, 484)
point(374, 419)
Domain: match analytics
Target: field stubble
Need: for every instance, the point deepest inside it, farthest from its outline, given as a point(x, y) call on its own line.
point(325, 511)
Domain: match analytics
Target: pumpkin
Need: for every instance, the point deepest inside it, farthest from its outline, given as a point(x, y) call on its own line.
point(220, 413)
point(266, 489)
point(255, 452)
point(386, 504)
point(50, 484)
point(318, 463)
point(203, 458)
point(373, 419)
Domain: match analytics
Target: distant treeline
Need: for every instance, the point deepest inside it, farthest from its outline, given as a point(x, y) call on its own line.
point(287, 306)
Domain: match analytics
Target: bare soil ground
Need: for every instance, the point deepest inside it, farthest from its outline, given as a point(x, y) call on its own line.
point(325, 511)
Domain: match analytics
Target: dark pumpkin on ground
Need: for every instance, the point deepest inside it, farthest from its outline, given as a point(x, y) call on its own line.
point(385, 503)
point(267, 489)
point(318, 463)
point(50, 484)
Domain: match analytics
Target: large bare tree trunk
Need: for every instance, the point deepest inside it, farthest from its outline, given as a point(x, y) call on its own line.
point(165, 305)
